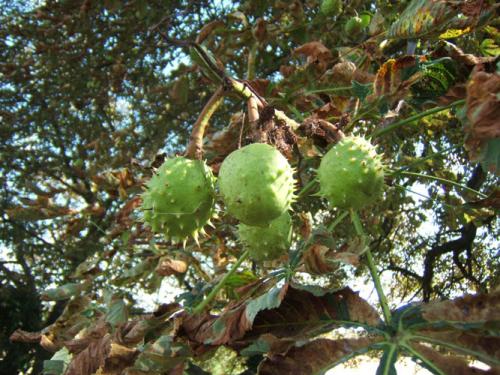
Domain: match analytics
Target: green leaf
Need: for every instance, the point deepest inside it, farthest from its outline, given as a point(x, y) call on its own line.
point(53, 367)
point(489, 156)
point(117, 313)
point(64, 292)
point(388, 360)
point(58, 363)
point(488, 47)
point(361, 90)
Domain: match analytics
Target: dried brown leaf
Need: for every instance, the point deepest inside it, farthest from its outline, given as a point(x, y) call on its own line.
point(317, 54)
point(479, 342)
point(390, 81)
point(470, 308)
point(327, 111)
point(168, 267)
point(483, 110)
point(89, 360)
point(320, 131)
point(450, 364)
point(287, 312)
point(316, 261)
point(342, 73)
point(314, 357)
point(23, 336)
point(492, 201)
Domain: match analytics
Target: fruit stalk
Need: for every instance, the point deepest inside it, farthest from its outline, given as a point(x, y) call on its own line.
point(201, 306)
point(373, 269)
point(194, 149)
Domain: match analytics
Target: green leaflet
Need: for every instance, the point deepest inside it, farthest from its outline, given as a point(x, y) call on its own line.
point(202, 57)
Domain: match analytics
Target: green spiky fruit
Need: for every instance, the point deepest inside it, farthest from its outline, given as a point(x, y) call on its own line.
point(270, 242)
point(353, 26)
point(351, 174)
point(256, 183)
point(331, 7)
point(179, 199)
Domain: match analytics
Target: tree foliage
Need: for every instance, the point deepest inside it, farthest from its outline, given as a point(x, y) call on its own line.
point(95, 95)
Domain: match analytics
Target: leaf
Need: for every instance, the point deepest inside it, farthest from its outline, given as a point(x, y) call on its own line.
point(159, 356)
point(437, 77)
point(285, 312)
point(488, 47)
point(489, 156)
point(53, 367)
point(58, 363)
point(361, 90)
point(64, 292)
point(315, 357)
point(237, 280)
point(483, 112)
point(395, 77)
point(89, 360)
point(478, 344)
point(117, 313)
point(423, 18)
point(317, 54)
point(167, 266)
point(67, 325)
point(467, 325)
point(440, 364)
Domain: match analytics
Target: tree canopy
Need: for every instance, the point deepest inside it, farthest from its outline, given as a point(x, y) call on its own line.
point(95, 96)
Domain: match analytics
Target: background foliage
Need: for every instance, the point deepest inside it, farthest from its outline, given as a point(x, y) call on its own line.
point(94, 95)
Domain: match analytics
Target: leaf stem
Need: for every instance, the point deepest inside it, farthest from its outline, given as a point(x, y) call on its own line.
point(410, 119)
point(443, 180)
point(373, 269)
point(201, 306)
point(337, 221)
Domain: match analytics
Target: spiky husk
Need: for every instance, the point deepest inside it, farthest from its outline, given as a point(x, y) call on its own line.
point(256, 183)
point(267, 243)
point(331, 7)
point(179, 199)
point(351, 174)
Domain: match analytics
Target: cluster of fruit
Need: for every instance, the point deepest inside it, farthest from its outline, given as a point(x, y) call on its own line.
point(256, 184)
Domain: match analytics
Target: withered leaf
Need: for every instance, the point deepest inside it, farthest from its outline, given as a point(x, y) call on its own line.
point(23, 336)
point(316, 53)
point(392, 79)
point(483, 114)
point(469, 308)
point(315, 357)
point(449, 364)
point(168, 266)
point(284, 312)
